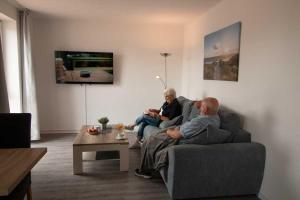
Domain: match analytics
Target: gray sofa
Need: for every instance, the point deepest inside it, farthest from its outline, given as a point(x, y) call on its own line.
point(233, 168)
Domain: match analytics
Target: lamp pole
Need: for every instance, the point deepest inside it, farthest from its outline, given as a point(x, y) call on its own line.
point(166, 76)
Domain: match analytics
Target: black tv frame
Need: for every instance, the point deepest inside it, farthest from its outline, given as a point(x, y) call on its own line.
point(83, 73)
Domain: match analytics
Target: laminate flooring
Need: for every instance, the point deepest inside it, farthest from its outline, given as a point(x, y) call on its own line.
point(53, 179)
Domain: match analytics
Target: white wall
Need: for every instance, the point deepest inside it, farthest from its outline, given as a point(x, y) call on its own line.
point(267, 92)
point(137, 61)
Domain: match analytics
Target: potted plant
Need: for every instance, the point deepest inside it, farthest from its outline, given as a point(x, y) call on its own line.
point(103, 121)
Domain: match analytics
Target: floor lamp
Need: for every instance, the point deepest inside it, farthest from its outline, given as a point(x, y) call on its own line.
point(164, 82)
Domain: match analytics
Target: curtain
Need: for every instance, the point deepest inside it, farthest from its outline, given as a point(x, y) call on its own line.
point(29, 101)
point(4, 106)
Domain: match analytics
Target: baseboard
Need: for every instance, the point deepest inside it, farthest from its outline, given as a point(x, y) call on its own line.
point(58, 131)
point(262, 196)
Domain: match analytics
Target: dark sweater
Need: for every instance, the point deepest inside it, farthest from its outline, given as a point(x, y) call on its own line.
point(171, 110)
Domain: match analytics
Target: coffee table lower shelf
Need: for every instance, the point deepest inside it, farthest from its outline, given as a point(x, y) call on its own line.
point(78, 149)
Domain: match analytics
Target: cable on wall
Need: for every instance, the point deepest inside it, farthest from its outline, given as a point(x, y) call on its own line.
point(85, 104)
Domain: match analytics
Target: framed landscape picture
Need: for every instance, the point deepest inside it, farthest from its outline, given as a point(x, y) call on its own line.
point(221, 53)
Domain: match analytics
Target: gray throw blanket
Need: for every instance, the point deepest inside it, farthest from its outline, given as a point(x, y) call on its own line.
point(154, 152)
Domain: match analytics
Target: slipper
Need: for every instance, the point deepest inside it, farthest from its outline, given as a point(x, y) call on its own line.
point(142, 174)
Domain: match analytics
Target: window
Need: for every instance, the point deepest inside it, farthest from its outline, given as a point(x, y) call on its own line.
point(8, 31)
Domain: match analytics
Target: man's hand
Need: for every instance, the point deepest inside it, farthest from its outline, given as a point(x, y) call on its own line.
point(174, 133)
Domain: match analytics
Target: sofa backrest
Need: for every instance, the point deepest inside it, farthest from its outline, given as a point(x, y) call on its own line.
point(186, 107)
point(230, 121)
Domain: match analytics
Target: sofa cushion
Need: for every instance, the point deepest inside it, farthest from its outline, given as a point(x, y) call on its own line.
point(173, 122)
point(194, 112)
point(211, 135)
point(229, 121)
point(186, 106)
point(181, 100)
point(241, 136)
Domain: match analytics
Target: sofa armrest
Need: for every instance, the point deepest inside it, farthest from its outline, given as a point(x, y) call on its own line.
point(197, 171)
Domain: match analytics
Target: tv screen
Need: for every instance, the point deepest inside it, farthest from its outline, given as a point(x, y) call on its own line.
point(84, 67)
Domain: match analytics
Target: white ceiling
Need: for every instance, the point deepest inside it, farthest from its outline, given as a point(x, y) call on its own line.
point(157, 11)
point(4, 17)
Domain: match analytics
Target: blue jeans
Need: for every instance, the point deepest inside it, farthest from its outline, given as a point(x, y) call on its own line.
point(145, 120)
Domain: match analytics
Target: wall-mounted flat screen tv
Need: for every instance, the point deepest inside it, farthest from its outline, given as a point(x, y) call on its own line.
point(84, 67)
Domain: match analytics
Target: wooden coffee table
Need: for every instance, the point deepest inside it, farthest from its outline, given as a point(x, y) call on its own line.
point(84, 142)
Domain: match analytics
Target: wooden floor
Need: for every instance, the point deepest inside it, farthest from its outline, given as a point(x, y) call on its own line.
point(53, 179)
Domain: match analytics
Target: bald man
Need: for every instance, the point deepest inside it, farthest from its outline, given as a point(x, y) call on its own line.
point(154, 149)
